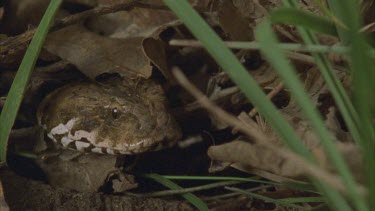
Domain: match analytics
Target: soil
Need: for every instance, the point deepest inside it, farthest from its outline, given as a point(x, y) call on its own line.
point(25, 194)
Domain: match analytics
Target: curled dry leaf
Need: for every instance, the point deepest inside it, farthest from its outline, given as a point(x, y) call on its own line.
point(156, 49)
point(137, 22)
point(94, 55)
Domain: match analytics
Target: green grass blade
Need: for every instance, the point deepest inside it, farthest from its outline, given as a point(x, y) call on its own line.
point(194, 200)
point(341, 98)
point(268, 42)
point(308, 20)
point(348, 13)
point(297, 185)
point(363, 95)
point(363, 86)
point(303, 200)
point(268, 199)
point(16, 92)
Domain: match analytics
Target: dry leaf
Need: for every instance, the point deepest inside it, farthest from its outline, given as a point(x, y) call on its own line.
point(139, 22)
point(155, 47)
point(94, 55)
point(255, 156)
point(233, 23)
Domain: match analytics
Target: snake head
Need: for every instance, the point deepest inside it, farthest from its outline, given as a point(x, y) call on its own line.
point(121, 117)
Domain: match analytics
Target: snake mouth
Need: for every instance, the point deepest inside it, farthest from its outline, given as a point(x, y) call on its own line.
point(164, 144)
point(156, 146)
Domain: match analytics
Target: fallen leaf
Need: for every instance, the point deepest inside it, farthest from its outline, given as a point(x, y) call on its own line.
point(233, 23)
point(155, 47)
point(95, 55)
point(139, 22)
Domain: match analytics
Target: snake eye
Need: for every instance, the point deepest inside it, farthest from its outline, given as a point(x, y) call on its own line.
point(115, 113)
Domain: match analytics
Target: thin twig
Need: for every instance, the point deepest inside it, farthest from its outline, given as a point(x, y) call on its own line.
point(261, 139)
point(270, 95)
point(189, 190)
point(219, 95)
point(228, 195)
point(255, 46)
point(105, 9)
point(52, 68)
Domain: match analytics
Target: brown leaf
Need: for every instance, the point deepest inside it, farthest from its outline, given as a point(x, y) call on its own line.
point(233, 23)
point(139, 22)
point(156, 48)
point(256, 156)
point(94, 55)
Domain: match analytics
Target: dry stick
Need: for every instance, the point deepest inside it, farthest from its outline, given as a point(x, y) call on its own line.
point(221, 94)
point(52, 68)
point(270, 95)
point(227, 195)
point(189, 190)
point(106, 9)
point(261, 139)
point(307, 59)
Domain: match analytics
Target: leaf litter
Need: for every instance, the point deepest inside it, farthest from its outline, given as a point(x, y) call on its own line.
point(136, 44)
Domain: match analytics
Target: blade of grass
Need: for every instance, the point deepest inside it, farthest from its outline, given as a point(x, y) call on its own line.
point(363, 86)
point(16, 92)
point(298, 17)
point(303, 200)
point(226, 59)
point(348, 13)
point(268, 42)
point(363, 95)
point(342, 100)
point(298, 185)
point(194, 200)
point(285, 46)
point(267, 199)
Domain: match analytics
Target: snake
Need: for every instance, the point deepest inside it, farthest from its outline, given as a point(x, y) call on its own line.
point(118, 116)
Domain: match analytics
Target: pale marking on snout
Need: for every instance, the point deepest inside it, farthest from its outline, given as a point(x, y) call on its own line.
point(66, 141)
point(97, 150)
point(63, 129)
point(81, 145)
